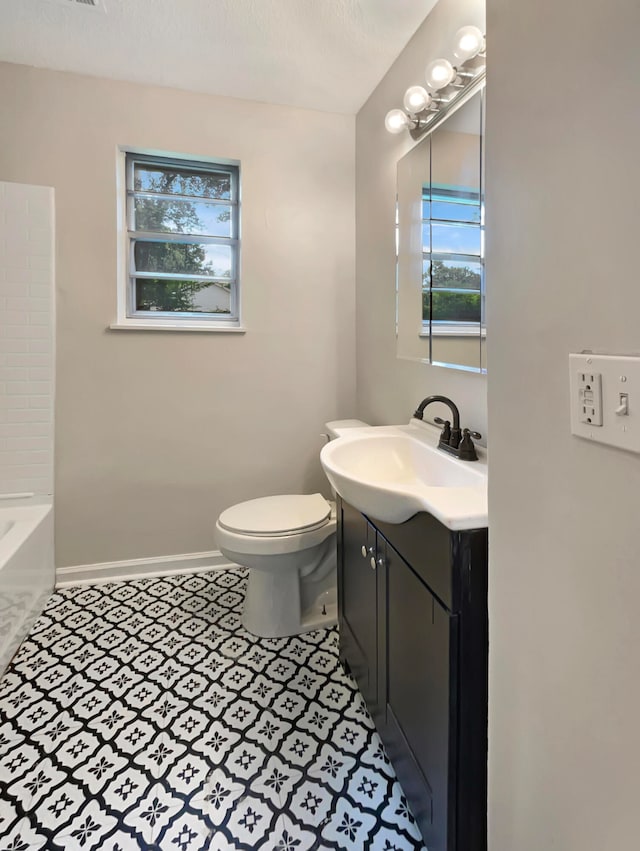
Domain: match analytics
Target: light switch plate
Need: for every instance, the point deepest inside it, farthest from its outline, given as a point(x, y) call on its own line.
point(611, 385)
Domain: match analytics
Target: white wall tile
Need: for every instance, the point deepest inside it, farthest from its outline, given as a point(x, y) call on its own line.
point(13, 373)
point(8, 401)
point(11, 347)
point(26, 338)
point(38, 373)
point(24, 415)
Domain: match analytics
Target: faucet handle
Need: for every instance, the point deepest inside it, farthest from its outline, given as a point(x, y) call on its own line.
point(466, 448)
point(445, 435)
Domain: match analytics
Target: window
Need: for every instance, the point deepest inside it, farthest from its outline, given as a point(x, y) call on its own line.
point(181, 244)
point(452, 257)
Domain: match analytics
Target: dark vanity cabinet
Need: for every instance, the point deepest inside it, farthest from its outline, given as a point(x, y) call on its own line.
point(412, 603)
point(359, 596)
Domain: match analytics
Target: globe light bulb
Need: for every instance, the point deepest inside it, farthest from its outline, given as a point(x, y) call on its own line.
point(396, 121)
point(469, 41)
point(439, 74)
point(416, 98)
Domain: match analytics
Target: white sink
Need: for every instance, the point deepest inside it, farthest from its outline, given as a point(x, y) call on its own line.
point(391, 473)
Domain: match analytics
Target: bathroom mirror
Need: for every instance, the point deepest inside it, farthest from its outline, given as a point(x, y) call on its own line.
point(440, 286)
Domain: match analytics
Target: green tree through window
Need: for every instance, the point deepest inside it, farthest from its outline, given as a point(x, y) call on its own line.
point(451, 306)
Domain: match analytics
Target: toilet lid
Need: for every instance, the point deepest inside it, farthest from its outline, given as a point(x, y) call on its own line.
point(277, 515)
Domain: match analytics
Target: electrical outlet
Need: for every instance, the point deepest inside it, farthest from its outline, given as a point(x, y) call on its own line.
point(590, 397)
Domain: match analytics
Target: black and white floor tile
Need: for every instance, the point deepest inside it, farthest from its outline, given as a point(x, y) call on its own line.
point(141, 715)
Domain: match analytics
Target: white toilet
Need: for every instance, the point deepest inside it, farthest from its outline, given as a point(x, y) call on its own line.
point(289, 545)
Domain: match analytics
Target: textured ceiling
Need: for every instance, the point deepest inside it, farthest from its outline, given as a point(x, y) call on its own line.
point(323, 54)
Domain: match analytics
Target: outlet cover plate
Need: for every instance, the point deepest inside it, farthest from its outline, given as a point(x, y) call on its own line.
point(619, 375)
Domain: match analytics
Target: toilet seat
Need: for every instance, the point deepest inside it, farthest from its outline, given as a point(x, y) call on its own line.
point(277, 516)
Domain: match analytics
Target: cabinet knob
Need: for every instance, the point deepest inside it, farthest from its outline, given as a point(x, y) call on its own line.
point(376, 562)
point(367, 551)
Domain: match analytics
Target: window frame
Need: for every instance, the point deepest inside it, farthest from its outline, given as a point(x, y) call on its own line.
point(452, 327)
point(128, 318)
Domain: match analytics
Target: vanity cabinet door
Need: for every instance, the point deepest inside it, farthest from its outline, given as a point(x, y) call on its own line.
point(421, 688)
point(358, 602)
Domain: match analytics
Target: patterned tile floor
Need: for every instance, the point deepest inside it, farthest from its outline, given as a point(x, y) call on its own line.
point(140, 715)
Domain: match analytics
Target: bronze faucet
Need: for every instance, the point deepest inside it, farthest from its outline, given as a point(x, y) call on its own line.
point(453, 440)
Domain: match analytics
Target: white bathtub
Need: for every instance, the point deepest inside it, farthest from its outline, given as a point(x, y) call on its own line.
point(27, 572)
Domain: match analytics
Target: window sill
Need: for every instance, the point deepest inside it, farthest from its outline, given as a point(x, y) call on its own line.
point(454, 331)
point(163, 325)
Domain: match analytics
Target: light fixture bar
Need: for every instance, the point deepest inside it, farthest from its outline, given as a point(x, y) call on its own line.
point(448, 86)
point(428, 121)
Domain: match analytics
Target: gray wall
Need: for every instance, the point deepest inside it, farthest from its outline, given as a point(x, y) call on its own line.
point(389, 388)
point(563, 139)
point(158, 432)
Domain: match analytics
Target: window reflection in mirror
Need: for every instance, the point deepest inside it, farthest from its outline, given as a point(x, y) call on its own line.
point(440, 264)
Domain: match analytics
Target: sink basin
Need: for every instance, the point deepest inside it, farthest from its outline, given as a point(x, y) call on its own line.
point(391, 473)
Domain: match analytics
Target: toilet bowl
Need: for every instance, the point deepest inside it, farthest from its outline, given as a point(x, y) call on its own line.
point(289, 545)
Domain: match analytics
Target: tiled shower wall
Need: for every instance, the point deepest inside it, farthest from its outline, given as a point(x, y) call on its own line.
point(26, 338)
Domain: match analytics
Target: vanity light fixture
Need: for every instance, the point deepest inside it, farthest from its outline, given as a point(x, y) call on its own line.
point(447, 85)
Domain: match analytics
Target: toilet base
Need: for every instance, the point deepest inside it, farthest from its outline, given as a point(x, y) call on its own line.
point(286, 600)
point(272, 605)
point(323, 614)
point(272, 602)
point(315, 619)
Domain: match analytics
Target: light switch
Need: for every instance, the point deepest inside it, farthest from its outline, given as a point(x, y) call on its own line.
point(605, 399)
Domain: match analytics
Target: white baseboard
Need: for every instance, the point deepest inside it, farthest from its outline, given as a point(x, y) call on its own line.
point(139, 568)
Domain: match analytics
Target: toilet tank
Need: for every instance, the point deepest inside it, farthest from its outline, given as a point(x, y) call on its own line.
point(336, 428)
